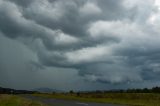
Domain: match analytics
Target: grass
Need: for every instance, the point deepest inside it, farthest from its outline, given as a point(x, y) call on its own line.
point(12, 100)
point(132, 99)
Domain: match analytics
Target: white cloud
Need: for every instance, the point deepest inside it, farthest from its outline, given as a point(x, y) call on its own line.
point(157, 3)
point(89, 54)
point(90, 9)
point(115, 29)
point(154, 18)
point(127, 31)
point(63, 39)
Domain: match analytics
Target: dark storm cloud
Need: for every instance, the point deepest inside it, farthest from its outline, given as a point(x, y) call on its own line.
point(21, 2)
point(101, 41)
point(60, 14)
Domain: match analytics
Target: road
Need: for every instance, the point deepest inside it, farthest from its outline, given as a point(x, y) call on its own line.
point(58, 102)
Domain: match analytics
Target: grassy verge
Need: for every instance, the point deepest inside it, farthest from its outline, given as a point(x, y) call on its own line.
point(12, 100)
point(133, 99)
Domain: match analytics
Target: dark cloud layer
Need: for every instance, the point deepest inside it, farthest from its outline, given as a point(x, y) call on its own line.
point(108, 43)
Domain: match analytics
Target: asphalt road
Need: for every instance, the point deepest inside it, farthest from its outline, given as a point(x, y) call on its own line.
point(58, 102)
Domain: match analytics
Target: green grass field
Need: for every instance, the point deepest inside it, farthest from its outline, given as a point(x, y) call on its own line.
point(12, 100)
point(133, 99)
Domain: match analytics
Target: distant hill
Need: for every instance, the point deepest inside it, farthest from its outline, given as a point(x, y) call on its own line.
point(14, 91)
point(46, 90)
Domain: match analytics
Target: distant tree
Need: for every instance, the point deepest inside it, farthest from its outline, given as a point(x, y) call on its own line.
point(98, 91)
point(71, 91)
point(78, 93)
point(146, 90)
point(156, 89)
point(53, 92)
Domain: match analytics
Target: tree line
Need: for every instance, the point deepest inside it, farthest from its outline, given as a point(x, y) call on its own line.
point(14, 91)
point(144, 90)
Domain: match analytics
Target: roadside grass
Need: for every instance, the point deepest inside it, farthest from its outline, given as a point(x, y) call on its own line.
point(12, 100)
point(131, 99)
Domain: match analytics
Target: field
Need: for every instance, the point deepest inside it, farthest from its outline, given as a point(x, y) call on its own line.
point(132, 99)
point(12, 100)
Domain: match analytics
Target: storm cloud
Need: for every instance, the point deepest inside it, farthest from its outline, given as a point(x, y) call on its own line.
point(58, 43)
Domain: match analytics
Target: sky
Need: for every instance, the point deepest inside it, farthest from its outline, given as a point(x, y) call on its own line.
point(79, 44)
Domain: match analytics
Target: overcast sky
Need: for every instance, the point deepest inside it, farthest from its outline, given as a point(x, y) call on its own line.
point(79, 44)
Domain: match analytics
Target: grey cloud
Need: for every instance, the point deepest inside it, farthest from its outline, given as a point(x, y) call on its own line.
point(106, 42)
point(69, 12)
point(20, 69)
